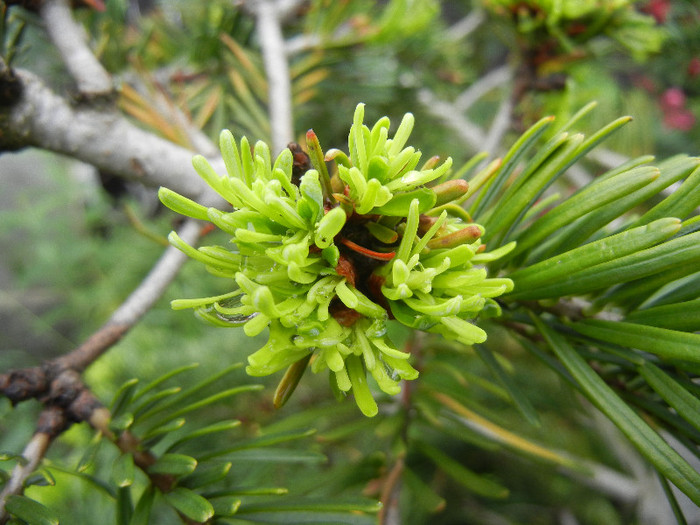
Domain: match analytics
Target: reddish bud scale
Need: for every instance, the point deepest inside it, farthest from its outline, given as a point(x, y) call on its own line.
point(379, 256)
point(301, 163)
point(319, 163)
point(346, 269)
point(431, 163)
point(344, 315)
point(425, 222)
point(450, 190)
point(207, 228)
point(470, 233)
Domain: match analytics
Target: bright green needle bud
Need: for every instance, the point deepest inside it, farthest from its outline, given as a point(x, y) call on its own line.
point(182, 205)
point(329, 226)
point(289, 381)
point(450, 191)
point(325, 261)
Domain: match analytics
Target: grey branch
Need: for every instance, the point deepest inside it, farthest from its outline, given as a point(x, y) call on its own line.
point(486, 84)
point(54, 420)
point(453, 114)
point(277, 71)
point(136, 305)
point(71, 41)
point(104, 138)
point(33, 453)
point(466, 26)
point(500, 125)
point(100, 137)
point(286, 8)
point(469, 132)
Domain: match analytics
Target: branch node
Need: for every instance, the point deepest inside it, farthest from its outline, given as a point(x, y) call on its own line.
point(52, 421)
point(27, 383)
point(10, 87)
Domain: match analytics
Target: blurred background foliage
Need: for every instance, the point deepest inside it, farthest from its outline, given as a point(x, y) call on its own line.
point(74, 243)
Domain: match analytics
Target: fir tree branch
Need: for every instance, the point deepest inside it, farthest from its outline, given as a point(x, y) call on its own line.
point(33, 453)
point(277, 71)
point(67, 400)
point(58, 385)
point(70, 39)
point(483, 86)
point(135, 306)
point(446, 112)
point(98, 136)
point(500, 125)
point(390, 513)
point(453, 114)
point(466, 25)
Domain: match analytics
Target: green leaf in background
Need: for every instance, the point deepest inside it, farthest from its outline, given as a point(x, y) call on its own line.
point(125, 507)
point(683, 402)
point(541, 171)
point(195, 405)
point(155, 434)
point(307, 510)
point(682, 316)
point(30, 511)
point(142, 512)
point(473, 422)
point(190, 504)
point(592, 224)
point(659, 453)
point(206, 474)
point(163, 378)
point(680, 203)
point(665, 343)
point(472, 481)
point(221, 426)
point(424, 496)
point(266, 440)
point(190, 392)
point(521, 402)
point(276, 455)
point(225, 506)
point(149, 401)
point(590, 198)
point(121, 422)
point(174, 464)
point(510, 161)
point(123, 396)
point(637, 263)
point(123, 470)
point(88, 460)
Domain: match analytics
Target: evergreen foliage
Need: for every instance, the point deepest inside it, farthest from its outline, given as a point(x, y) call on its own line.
point(527, 345)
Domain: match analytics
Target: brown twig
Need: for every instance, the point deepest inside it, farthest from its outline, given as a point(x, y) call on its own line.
point(94, 132)
point(135, 306)
point(33, 453)
point(66, 400)
point(37, 382)
point(389, 513)
point(58, 385)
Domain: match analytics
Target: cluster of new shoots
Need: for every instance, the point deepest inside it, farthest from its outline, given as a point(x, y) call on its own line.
point(325, 262)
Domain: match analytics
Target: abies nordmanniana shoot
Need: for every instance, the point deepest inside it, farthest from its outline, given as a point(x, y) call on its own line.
point(324, 263)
